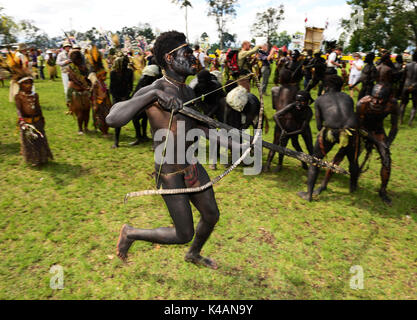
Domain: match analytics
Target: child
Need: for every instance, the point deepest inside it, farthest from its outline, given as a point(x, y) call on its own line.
point(34, 145)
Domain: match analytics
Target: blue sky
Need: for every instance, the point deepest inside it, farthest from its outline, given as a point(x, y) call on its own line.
point(54, 15)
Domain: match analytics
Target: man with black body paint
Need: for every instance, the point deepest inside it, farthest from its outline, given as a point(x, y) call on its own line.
point(176, 58)
point(337, 123)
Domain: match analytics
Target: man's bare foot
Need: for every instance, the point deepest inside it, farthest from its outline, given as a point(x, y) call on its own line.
point(123, 244)
point(305, 196)
point(80, 133)
point(115, 146)
point(213, 167)
point(197, 259)
point(385, 198)
point(266, 169)
point(278, 168)
point(319, 191)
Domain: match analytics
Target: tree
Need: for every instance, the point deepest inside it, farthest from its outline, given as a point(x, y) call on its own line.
point(267, 23)
point(282, 39)
point(8, 29)
point(222, 10)
point(184, 4)
point(389, 24)
point(229, 40)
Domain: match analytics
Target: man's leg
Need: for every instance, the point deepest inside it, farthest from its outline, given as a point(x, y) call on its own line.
point(353, 155)
point(116, 137)
point(414, 108)
point(271, 155)
point(65, 81)
point(136, 124)
point(385, 155)
point(321, 148)
point(405, 98)
point(206, 204)
point(283, 142)
point(180, 210)
point(266, 72)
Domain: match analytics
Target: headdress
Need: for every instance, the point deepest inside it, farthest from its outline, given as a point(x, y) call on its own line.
point(18, 71)
point(95, 60)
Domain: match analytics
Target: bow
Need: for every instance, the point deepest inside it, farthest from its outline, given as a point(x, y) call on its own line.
point(224, 174)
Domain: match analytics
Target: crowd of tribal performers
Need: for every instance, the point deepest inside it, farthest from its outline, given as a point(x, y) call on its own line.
point(385, 84)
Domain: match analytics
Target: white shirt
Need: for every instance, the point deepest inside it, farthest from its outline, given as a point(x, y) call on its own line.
point(332, 58)
point(354, 71)
point(60, 60)
point(201, 56)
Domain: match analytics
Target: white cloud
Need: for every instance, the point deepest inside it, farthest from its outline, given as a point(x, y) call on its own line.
point(54, 15)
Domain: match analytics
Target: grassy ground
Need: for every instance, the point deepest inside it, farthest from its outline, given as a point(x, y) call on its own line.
point(269, 243)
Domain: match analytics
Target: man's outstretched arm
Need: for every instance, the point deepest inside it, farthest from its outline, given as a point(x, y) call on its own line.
point(122, 112)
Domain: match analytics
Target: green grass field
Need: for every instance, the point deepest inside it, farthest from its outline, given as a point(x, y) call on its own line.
point(269, 243)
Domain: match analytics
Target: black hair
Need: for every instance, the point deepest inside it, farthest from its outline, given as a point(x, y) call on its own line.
point(370, 57)
point(196, 47)
point(334, 82)
point(285, 53)
point(310, 52)
point(306, 95)
point(165, 43)
point(415, 56)
point(204, 76)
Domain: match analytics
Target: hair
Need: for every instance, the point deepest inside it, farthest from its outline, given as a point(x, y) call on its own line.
point(196, 47)
point(415, 56)
point(76, 54)
point(305, 94)
point(165, 43)
point(204, 76)
point(285, 53)
point(334, 82)
point(339, 48)
point(310, 52)
point(370, 57)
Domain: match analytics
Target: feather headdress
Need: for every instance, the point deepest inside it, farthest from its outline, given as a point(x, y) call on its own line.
point(95, 60)
point(15, 66)
point(115, 40)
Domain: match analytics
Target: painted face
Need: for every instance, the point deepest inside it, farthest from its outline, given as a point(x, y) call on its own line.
point(301, 101)
point(377, 103)
point(26, 86)
point(184, 62)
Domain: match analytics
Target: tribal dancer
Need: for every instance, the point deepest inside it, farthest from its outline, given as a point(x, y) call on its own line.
point(34, 145)
point(161, 101)
point(372, 111)
point(100, 93)
point(337, 123)
point(78, 94)
point(410, 87)
point(121, 85)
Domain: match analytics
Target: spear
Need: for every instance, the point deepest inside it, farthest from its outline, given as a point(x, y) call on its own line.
point(189, 112)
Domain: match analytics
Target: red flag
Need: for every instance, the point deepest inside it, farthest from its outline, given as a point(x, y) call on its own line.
point(306, 20)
